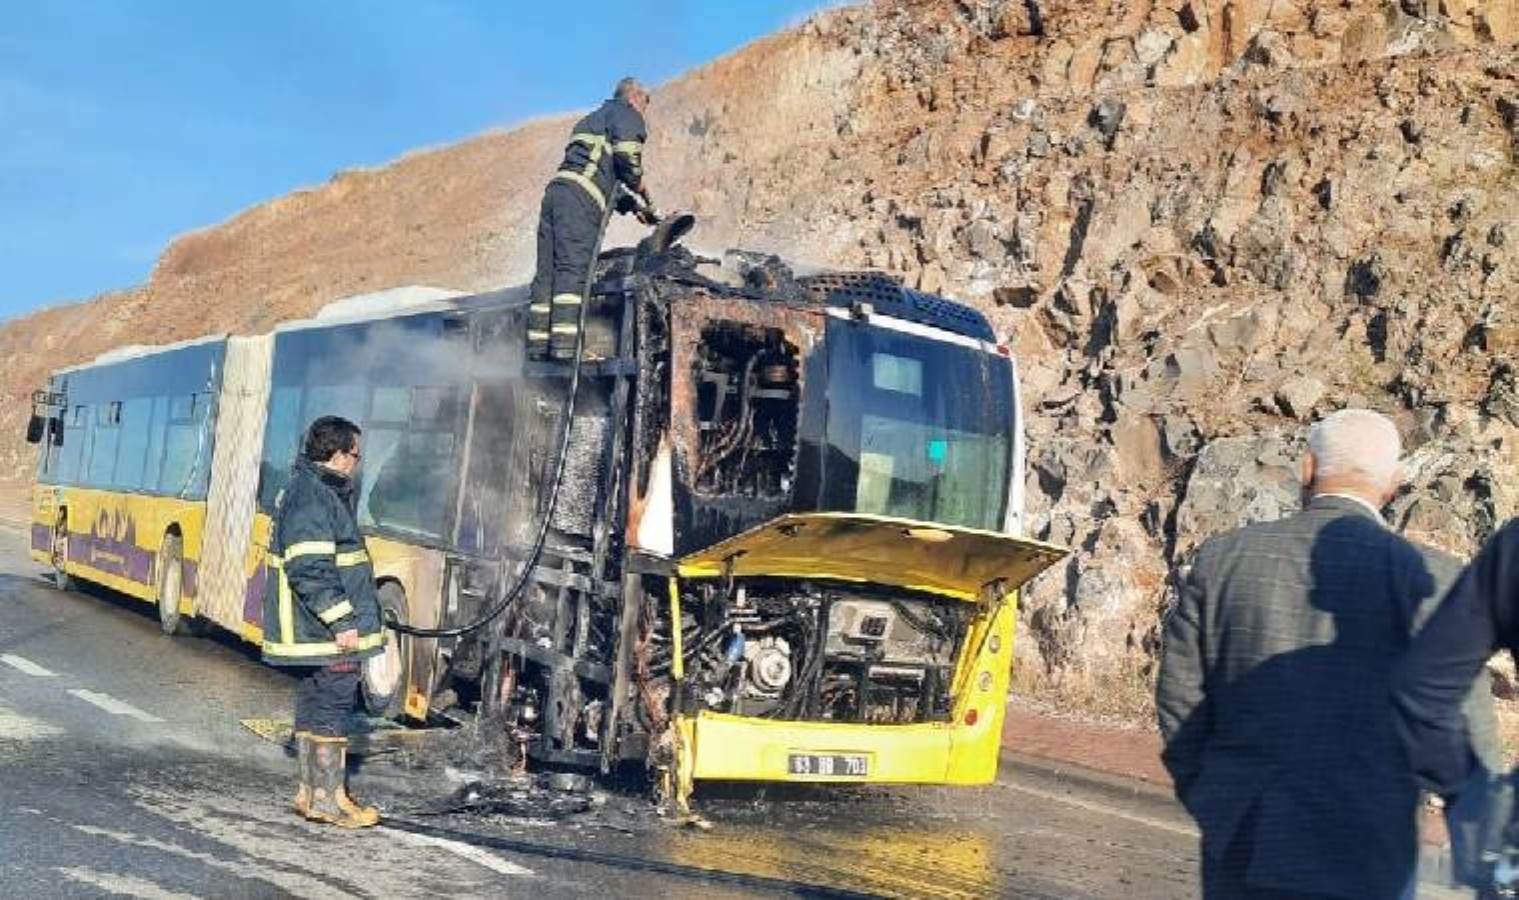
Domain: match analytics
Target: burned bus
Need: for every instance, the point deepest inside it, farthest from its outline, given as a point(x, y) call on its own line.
point(766, 527)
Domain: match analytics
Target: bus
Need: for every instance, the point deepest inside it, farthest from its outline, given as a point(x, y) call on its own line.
point(766, 526)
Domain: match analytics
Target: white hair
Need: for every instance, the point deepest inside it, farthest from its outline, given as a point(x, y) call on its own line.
point(1355, 444)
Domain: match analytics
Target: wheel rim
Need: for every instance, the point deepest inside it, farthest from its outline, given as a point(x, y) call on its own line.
point(172, 580)
point(169, 590)
point(60, 548)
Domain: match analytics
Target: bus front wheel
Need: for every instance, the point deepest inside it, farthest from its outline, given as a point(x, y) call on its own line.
point(60, 554)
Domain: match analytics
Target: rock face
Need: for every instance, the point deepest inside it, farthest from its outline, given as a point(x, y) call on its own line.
point(1199, 223)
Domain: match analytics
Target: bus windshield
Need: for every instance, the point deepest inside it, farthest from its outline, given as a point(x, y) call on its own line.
point(917, 428)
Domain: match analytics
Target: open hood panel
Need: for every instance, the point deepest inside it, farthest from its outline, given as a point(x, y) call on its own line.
point(920, 556)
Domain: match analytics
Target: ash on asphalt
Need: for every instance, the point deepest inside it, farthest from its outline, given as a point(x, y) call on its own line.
point(833, 837)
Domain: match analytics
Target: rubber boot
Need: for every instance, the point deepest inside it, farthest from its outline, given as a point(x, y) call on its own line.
point(303, 768)
point(368, 815)
point(329, 795)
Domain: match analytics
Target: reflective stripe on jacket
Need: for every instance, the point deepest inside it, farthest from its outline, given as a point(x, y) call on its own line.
point(606, 148)
point(320, 580)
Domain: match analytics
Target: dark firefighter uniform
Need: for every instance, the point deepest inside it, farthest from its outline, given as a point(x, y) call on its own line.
point(605, 151)
point(321, 584)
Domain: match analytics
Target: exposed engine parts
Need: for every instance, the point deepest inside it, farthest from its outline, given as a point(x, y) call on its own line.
point(796, 651)
point(747, 404)
point(769, 666)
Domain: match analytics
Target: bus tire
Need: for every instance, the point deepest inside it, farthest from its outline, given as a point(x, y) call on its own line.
point(59, 554)
point(170, 588)
point(387, 675)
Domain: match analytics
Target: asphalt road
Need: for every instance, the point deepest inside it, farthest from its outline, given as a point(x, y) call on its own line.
point(124, 771)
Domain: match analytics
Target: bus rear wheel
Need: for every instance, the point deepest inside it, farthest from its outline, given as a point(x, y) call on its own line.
point(59, 554)
point(171, 581)
point(387, 675)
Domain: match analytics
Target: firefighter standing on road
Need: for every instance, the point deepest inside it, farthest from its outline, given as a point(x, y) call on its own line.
point(321, 613)
point(603, 163)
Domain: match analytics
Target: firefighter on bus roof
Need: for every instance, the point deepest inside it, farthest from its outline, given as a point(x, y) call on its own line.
point(603, 163)
point(321, 613)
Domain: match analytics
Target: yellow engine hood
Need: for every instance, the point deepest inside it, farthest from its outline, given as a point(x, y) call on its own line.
point(940, 559)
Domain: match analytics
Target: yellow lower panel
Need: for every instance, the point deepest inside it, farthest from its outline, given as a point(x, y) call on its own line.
point(743, 749)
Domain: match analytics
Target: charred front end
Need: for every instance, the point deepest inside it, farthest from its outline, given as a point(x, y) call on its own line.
point(832, 419)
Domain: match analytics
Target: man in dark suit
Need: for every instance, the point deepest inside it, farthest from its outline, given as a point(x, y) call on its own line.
point(1274, 683)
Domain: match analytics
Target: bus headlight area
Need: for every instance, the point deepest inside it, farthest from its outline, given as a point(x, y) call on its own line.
point(787, 545)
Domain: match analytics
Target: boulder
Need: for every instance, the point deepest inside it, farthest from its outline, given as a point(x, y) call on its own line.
point(1237, 480)
point(1185, 373)
point(1137, 442)
point(1298, 395)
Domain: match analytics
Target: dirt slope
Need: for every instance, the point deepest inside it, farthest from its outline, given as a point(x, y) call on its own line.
point(1199, 221)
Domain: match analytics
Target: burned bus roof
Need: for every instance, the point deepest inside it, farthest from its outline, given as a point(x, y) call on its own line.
point(887, 295)
point(883, 292)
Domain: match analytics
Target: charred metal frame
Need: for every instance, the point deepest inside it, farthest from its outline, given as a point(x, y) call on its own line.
point(714, 374)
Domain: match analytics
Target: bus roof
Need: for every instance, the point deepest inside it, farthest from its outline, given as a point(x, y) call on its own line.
point(138, 351)
point(368, 308)
point(395, 303)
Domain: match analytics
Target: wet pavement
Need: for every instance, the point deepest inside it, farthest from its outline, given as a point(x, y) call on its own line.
point(124, 772)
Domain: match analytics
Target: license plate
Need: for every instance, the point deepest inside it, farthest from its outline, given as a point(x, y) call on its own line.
point(830, 765)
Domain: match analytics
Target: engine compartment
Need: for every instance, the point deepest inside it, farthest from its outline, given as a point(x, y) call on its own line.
point(808, 651)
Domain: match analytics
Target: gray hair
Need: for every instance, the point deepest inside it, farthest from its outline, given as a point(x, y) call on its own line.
point(1355, 444)
point(627, 87)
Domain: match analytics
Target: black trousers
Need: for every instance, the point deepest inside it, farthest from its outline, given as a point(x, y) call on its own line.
point(325, 697)
point(569, 237)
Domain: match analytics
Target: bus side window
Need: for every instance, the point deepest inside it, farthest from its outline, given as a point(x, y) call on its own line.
point(181, 445)
point(103, 454)
point(281, 437)
point(409, 478)
point(158, 424)
point(131, 454)
point(73, 446)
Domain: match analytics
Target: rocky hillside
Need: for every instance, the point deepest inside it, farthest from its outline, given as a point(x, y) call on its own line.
point(1200, 222)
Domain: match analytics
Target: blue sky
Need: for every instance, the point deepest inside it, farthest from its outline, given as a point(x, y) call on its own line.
point(125, 123)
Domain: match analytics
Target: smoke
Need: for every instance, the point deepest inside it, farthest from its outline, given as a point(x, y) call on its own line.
point(411, 383)
point(423, 349)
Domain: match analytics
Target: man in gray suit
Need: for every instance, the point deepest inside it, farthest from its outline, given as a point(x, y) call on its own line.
point(1275, 676)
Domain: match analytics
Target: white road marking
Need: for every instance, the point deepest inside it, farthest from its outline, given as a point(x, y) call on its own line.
point(261, 838)
point(21, 663)
point(474, 854)
point(16, 727)
point(113, 706)
point(122, 885)
point(1104, 809)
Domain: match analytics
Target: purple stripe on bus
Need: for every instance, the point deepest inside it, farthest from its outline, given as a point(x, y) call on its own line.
point(122, 558)
point(42, 537)
point(253, 597)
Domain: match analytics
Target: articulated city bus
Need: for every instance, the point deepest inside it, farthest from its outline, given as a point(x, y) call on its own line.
point(769, 528)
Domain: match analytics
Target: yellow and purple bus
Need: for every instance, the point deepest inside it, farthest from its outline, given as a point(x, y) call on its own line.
point(786, 546)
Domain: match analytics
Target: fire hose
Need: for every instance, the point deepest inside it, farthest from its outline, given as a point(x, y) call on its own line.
point(540, 539)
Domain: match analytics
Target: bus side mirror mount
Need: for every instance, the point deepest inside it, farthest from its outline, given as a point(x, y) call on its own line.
point(36, 426)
